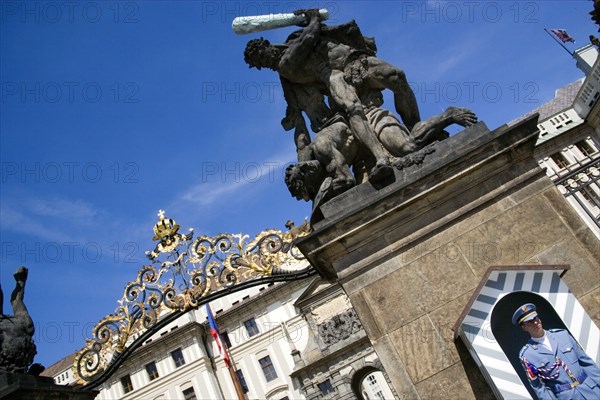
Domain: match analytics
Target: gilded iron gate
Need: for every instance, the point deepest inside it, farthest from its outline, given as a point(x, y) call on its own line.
point(184, 273)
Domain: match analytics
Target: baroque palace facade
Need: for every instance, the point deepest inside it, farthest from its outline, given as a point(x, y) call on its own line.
point(303, 340)
point(286, 341)
point(569, 141)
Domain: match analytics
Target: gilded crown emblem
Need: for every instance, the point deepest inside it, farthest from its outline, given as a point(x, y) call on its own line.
point(165, 231)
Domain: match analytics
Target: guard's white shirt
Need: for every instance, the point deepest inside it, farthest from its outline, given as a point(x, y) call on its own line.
point(544, 341)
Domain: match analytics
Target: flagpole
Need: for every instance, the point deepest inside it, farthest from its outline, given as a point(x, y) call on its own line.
point(215, 332)
point(559, 42)
point(1, 296)
point(234, 377)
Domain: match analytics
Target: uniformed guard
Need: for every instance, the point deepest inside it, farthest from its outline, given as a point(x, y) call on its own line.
point(555, 364)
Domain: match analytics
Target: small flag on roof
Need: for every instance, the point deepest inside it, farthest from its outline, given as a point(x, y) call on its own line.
point(562, 35)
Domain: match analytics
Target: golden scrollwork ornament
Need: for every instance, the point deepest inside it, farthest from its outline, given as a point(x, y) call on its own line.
point(183, 274)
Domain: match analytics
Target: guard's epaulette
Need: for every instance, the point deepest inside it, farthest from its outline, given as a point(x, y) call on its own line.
point(523, 350)
point(555, 330)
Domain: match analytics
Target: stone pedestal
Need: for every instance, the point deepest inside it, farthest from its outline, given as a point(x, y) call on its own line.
point(410, 254)
point(27, 387)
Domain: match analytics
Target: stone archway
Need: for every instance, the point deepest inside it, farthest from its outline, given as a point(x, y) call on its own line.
point(370, 383)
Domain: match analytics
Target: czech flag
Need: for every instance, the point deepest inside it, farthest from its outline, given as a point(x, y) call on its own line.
point(214, 331)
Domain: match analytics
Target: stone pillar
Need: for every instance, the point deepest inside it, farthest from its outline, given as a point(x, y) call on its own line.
point(410, 254)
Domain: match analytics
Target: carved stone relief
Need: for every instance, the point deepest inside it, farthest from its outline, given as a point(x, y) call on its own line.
point(340, 327)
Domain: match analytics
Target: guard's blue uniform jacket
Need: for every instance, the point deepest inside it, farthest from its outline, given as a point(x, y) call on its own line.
point(564, 373)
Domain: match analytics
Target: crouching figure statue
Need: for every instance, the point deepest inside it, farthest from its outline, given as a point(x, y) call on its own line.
point(17, 348)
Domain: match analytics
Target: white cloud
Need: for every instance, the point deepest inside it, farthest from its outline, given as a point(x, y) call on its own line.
point(59, 207)
point(232, 182)
point(52, 218)
point(451, 61)
point(208, 193)
point(13, 220)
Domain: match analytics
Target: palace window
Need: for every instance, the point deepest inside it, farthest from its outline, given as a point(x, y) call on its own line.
point(152, 371)
point(178, 357)
point(251, 327)
point(243, 384)
point(189, 394)
point(372, 380)
point(591, 196)
point(560, 160)
point(127, 385)
point(375, 387)
point(326, 387)
point(585, 148)
point(268, 369)
point(225, 337)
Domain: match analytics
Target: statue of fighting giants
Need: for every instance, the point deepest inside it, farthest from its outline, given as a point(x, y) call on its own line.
point(352, 130)
point(17, 348)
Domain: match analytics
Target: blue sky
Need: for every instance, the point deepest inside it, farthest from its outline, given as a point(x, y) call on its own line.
point(111, 111)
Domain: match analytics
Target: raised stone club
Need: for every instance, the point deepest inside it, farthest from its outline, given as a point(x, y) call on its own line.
point(259, 23)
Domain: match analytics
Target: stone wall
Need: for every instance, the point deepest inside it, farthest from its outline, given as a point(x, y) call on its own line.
point(410, 255)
